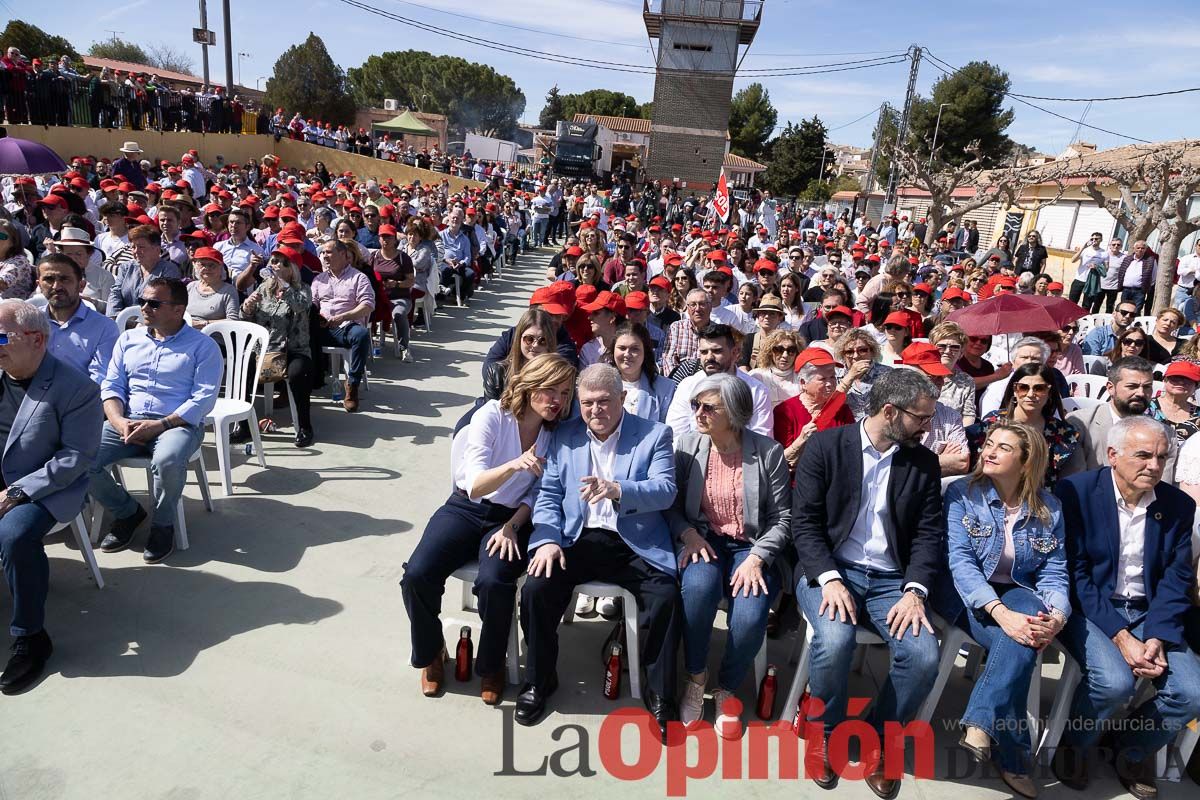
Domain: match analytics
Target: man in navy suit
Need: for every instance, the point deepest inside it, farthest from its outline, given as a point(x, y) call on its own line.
point(50, 421)
point(598, 517)
point(1130, 554)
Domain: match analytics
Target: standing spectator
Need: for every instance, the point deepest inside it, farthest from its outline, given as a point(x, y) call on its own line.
point(1084, 257)
point(1031, 256)
point(50, 424)
point(1110, 285)
point(162, 382)
point(344, 299)
point(1185, 275)
point(1136, 274)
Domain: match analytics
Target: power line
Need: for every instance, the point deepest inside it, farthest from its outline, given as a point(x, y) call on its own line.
point(1105, 99)
point(860, 119)
point(950, 69)
point(864, 61)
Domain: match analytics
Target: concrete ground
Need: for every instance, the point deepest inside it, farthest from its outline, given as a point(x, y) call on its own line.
point(271, 659)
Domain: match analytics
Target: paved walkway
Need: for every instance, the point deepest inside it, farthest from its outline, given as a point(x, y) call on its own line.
point(271, 659)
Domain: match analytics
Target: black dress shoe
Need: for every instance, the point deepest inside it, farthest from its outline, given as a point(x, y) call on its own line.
point(304, 437)
point(1070, 767)
point(121, 531)
point(240, 433)
point(29, 656)
point(531, 702)
point(160, 544)
point(1138, 778)
point(663, 709)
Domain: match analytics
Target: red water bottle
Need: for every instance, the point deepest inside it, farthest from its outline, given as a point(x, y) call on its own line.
point(462, 657)
point(796, 720)
point(612, 673)
point(766, 694)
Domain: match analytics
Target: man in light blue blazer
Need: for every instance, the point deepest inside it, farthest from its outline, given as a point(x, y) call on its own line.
point(609, 476)
point(50, 420)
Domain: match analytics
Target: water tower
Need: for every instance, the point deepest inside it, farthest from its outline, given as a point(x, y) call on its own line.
point(699, 46)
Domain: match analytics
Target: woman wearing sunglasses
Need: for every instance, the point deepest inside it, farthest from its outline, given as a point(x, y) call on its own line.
point(859, 352)
point(777, 365)
point(731, 519)
point(1174, 407)
point(1032, 398)
point(1131, 343)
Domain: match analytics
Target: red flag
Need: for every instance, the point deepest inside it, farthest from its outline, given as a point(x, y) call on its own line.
point(721, 201)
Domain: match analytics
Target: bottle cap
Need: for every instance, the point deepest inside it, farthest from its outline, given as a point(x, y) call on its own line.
point(465, 633)
point(771, 670)
point(616, 649)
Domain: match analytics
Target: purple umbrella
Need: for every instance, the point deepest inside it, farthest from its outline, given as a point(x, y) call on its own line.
point(25, 157)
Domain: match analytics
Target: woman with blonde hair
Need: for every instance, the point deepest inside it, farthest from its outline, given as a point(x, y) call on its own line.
point(535, 333)
point(859, 351)
point(496, 472)
point(958, 391)
point(777, 365)
point(1008, 564)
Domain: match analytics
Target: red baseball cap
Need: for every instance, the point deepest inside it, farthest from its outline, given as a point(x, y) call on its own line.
point(637, 300)
point(1054, 286)
point(549, 302)
point(575, 251)
point(896, 318)
point(765, 265)
point(208, 254)
point(817, 356)
point(387, 230)
point(923, 288)
point(1183, 369)
point(716, 255)
point(53, 200)
point(607, 300)
point(926, 358)
point(843, 310)
point(672, 259)
point(661, 282)
point(955, 293)
point(291, 255)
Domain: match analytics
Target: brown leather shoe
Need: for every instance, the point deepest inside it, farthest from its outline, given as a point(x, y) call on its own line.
point(1138, 778)
point(350, 399)
point(491, 688)
point(824, 776)
point(883, 787)
point(434, 676)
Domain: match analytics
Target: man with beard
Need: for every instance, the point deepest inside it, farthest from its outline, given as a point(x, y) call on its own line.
point(718, 352)
point(1130, 387)
point(867, 526)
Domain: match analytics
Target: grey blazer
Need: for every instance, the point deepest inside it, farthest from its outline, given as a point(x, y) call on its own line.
point(55, 438)
point(1093, 425)
point(766, 495)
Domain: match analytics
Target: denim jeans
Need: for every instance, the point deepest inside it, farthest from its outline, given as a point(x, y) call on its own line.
point(400, 308)
point(25, 565)
point(1135, 296)
point(998, 701)
point(540, 226)
point(169, 454)
point(914, 658)
point(357, 339)
point(1108, 684)
point(703, 585)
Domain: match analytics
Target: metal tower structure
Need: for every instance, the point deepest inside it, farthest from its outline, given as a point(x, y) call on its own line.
point(889, 199)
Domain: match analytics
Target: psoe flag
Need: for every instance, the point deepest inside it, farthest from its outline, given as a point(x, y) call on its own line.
point(721, 201)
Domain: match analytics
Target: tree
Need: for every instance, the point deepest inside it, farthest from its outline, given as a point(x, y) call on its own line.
point(942, 181)
point(973, 121)
point(169, 59)
point(33, 42)
point(794, 157)
point(886, 132)
point(601, 103)
point(1156, 184)
point(552, 112)
point(474, 97)
point(120, 50)
point(306, 80)
point(751, 121)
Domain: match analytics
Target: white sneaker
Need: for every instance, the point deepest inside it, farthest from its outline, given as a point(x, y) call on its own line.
point(585, 606)
point(691, 708)
point(608, 607)
point(727, 725)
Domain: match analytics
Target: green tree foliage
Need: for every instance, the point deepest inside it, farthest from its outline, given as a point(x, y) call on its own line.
point(120, 50)
point(552, 112)
point(474, 97)
point(889, 127)
point(751, 121)
point(602, 103)
point(307, 80)
point(975, 113)
point(33, 42)
point(794, 157)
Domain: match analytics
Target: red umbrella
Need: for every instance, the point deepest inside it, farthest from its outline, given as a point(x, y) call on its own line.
point(1016, 313)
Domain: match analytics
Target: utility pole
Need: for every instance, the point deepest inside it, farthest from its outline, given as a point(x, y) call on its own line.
point(204, 47)
point(889, 198)
point(228, 53)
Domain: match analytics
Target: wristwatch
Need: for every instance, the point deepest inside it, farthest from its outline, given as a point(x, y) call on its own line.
point(920, 593)
point(17, 495)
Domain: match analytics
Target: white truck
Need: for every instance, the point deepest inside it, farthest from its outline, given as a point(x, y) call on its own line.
point(486, 148)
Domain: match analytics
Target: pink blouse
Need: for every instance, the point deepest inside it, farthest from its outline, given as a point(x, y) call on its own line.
point(722, 500)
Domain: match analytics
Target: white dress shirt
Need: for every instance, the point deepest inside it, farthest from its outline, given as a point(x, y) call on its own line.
point(867, 544)
point(1189, 267)
point(679, 414)
point(603, 514)
point(493, 438)
point(1131, 554)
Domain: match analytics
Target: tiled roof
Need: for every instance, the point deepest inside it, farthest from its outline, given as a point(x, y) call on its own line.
point(738, 162)
point(618, 124)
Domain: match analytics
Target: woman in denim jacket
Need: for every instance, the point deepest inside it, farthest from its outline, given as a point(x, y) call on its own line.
point(1009, 567)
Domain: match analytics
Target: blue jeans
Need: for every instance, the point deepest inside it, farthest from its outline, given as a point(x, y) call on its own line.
point(169, 454)
point(540, 225)
point(998, 701)
point(25, 565)
point(1108, 684)
point(703, 586)
point(914, 658)
point(465, 272)
point(357, 339)
point(400, 308)
point(1135, 296)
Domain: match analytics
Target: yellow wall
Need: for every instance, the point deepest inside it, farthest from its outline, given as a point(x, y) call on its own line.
point(236, 149)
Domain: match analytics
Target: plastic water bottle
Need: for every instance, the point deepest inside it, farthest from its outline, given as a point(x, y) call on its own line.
point(376, 350)
point(337, 391)
point(249, 448)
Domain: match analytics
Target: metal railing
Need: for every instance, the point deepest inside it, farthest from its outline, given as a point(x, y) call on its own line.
point(743, 10)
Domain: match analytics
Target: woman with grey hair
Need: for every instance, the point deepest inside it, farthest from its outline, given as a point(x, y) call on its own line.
point(818, 407)
point(731, 520)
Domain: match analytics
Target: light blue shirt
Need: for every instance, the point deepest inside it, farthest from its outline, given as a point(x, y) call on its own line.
point(85, 341)
point(456, 247)
point(1098, 341)
point(155, 378)
point(237, 256)
point(127, 290)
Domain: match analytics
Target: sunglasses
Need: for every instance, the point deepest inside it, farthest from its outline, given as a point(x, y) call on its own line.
point(894, 328)
point(1023, 389)
point(856, 351)
point(154, 305)
point(1124, 313)
point(3, 236)
point(707, 408)
point(539, 341)
point(781, 349)
point(1138, 342)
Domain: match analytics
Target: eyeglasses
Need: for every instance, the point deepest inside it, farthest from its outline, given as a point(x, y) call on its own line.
point(154, 305)
point(1023, 389)
point(782, 349)
point(707, 408)
point(532, 340)
point(7, 336)
point(948, 347)
point(856, 351)
point(1134, 342)
point(921, 418)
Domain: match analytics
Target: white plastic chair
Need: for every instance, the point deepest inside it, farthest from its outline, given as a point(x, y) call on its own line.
point(269, 402)
point(243, 342)
point(84, 541)
point(1091, 386)
point(467, 574)
point(1145, 323)
point(863, 636)
point(197, 461)
point(1075, 403)
point(127, 314)
point(1096, 365)
point(629, 609)
point(1093, 321)
point(338, 356)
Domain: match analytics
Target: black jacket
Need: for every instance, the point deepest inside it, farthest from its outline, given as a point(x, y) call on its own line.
point(827, 496)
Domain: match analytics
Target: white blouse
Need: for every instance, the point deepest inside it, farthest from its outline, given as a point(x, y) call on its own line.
point(494, 438)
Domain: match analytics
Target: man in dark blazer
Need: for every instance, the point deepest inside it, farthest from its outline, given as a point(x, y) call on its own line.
point(50, 420)
point(867, 526)
point(1129, 550)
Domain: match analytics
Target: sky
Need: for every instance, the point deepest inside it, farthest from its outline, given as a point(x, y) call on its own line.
point(1101, 48)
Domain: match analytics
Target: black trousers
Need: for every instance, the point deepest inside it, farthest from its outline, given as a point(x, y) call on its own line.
point(600, 555)
point(457, 534)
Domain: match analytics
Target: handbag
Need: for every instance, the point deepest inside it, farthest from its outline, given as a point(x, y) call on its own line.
point(274, 367)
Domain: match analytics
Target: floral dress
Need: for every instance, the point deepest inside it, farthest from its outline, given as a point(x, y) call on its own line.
point(17, 272)
point(1062, 439)
point(1183, 430)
